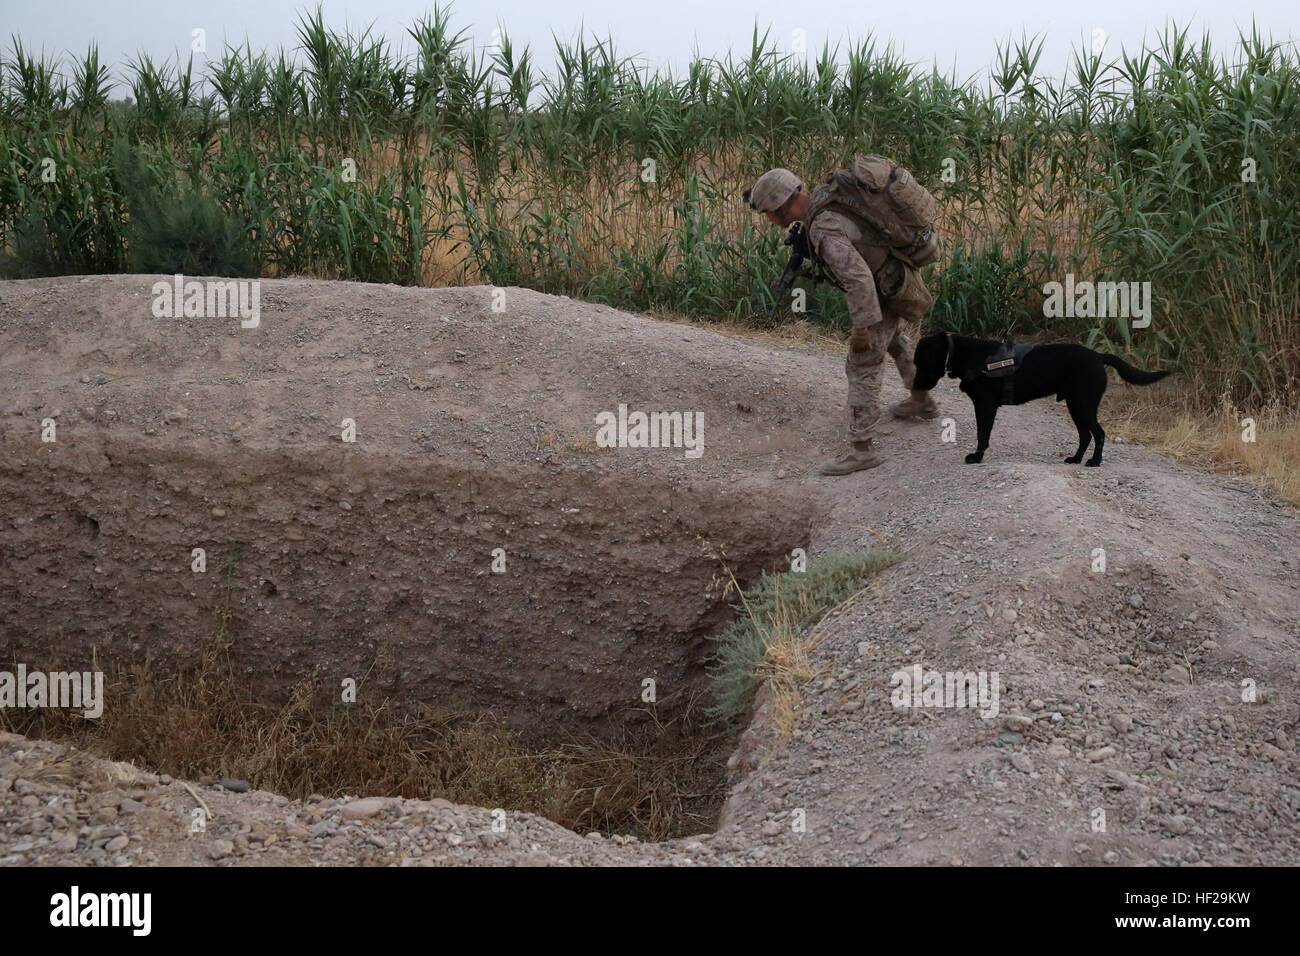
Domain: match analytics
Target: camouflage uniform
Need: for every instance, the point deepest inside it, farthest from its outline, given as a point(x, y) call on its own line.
point(837, 242)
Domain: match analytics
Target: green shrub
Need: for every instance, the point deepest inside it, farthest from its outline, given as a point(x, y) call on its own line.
point(778, 611)
point(985, 293)
point(179, 230)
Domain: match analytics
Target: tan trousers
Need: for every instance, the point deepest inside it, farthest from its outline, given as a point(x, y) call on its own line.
point(866, 369)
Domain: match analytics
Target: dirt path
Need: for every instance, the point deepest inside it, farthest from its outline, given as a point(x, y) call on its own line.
point(1120, 691)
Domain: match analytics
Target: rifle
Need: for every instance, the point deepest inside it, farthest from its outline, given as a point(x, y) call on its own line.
point(797, 240)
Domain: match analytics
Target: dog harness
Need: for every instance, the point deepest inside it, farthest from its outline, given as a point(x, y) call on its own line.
point(1003, 364)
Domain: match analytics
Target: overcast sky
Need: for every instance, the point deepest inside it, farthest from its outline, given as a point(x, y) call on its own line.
point(664, 33)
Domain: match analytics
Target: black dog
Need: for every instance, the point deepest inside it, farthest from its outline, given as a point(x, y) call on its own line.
point(1073, 373)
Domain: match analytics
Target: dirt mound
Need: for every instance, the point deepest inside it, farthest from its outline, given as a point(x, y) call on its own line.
point(473, 546)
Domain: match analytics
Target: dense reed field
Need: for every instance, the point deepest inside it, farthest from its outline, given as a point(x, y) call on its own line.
point(440, 163)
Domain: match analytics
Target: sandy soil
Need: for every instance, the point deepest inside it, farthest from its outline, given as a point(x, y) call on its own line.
point(1121, 691)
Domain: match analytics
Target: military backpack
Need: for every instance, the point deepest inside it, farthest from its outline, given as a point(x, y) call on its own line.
point(894, 211)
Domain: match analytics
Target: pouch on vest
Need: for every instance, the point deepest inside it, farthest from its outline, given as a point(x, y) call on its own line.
point(902, 291)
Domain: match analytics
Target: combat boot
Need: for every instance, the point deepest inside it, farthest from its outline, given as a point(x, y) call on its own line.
point(861, 457)
point(920, 405)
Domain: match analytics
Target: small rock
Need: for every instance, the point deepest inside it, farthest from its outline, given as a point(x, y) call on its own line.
point(1122, 722)
point(362, 809)
point(234, 784)
point(1101, 753)
point(1119, 780)
point(220, 849)
point(117, 843)
point(1022, 763)
point(1018, 722)
point(218, 512)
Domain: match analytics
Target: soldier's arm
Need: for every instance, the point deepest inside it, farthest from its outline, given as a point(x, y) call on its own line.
point(851, 272)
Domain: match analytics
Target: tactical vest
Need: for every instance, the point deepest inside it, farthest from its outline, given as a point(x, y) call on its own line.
point(899, 286)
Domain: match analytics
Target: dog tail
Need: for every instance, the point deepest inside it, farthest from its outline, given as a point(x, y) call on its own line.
point(1134, 376)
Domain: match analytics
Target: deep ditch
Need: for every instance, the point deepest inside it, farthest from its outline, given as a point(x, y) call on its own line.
point(386, 571)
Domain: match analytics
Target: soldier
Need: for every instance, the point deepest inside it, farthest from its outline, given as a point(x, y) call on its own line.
point(838, 243)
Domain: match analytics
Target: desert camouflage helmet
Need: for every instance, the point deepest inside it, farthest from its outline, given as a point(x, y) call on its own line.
point(773, 189)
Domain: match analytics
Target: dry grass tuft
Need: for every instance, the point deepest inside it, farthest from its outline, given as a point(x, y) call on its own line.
point(1212, 440)
point(664, 781)
point(780, 625)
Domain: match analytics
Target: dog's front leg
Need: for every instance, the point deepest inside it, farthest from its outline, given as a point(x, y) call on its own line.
point(985, 412)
